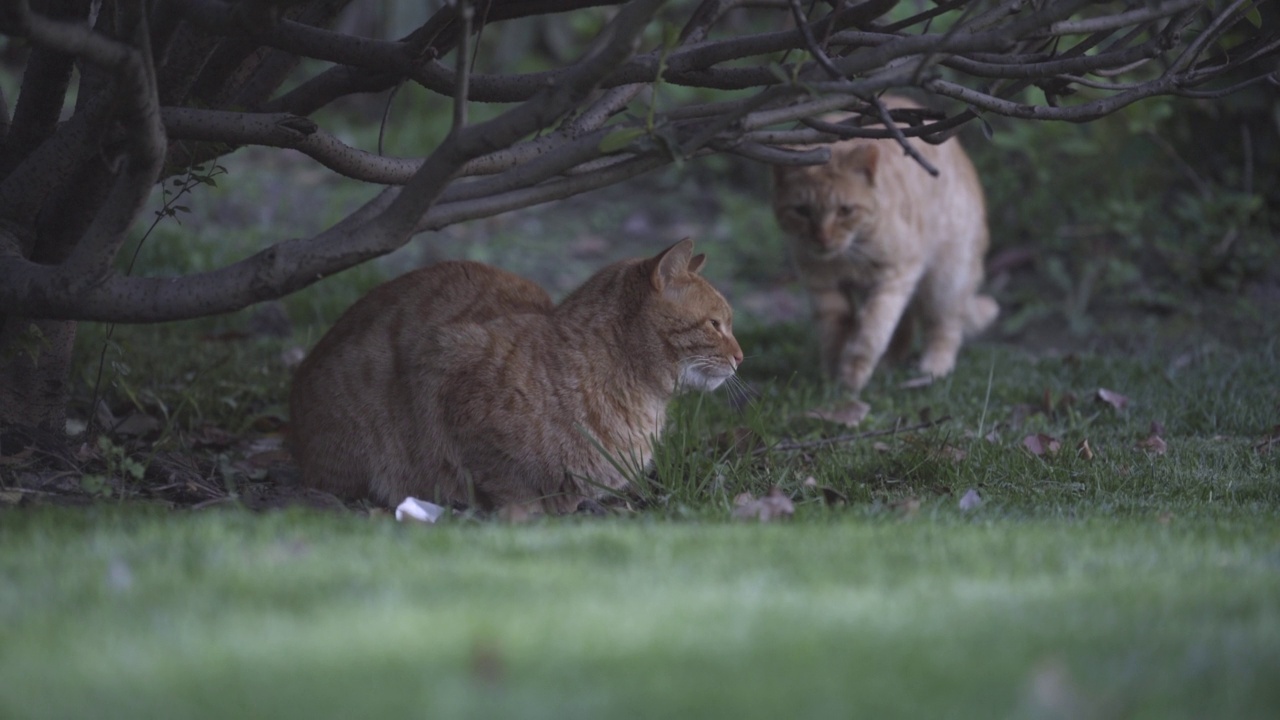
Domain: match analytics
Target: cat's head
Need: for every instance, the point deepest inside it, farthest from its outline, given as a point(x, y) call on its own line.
point(827, 208)
point(692, 319)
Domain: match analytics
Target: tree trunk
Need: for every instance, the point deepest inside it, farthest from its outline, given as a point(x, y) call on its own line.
point(35, 367)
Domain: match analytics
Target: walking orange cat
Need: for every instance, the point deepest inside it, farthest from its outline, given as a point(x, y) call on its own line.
point(882, 247)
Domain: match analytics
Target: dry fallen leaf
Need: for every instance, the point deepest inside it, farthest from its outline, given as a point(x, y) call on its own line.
point(774, 505)
point(830, 495)
point(907, 506)
point(918, 382)
point(10, 497)
point(1154, 445)
point(880, 447)
point(848, 413)
point(1083, 450)
point(1157, 428)
point(740, 440)
point(1053, 692)
point(971, 500)
point(19, 458)
point(1113, 398)
point(1268, 442)
point(487, 665)
point(1041, 444)
point(137, 424)
point(950, 452)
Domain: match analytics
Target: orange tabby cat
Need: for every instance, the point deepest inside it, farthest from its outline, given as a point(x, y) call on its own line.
point(877, 240)
point(463, 383)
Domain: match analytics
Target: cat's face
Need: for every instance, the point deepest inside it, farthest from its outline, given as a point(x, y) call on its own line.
point(694, 320)
point(825, 209)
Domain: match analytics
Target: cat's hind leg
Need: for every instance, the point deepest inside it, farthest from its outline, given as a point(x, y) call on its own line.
point(944, 315)
point(980, 312)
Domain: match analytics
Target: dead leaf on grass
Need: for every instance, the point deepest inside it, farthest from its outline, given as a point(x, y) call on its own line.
point(487, 664)
point(212, 436)
point(1157, 428)
point(1041, 444)
point(774, 505)
point(917, 382)
point(848, 413)
point(268, 459)
point(1154, 445)
point(1269, 441)
point(1083, 450)
point(830, 495)
point(907, 506)
point(1114, 399)
point(950, 452)
point(137, 425)
point(880, 447)
point(10, 497)
point(1053, 692)
point(971, 500)
point(22, 457)
point(740, 440)
point(86, 453)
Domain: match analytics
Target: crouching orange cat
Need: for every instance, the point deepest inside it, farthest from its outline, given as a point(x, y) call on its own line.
point(463, 383)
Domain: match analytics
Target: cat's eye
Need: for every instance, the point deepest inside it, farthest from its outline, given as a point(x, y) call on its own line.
point(845, 210)
point(715, 323)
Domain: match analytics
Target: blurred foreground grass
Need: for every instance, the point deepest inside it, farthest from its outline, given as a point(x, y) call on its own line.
point(129, 613)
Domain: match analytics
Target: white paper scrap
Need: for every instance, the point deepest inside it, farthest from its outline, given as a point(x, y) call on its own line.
point(420, 510)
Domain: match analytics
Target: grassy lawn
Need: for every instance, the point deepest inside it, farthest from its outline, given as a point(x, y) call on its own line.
point(1137, 583)
point(137, 614)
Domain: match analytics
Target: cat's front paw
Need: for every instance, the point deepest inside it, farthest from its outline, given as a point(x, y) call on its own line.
point(937, 364)
point(855, 371)
point(849, 413)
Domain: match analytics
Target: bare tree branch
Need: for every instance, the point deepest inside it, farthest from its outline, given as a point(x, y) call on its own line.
point(293, 264)
point(569, 130)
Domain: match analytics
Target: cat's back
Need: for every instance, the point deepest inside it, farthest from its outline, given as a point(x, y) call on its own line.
point(442, 294)
point(362, 383)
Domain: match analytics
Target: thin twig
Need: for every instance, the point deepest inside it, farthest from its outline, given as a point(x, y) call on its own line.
point(892, 127)
point(463, 70)
point(840, 439)
point(802, 24)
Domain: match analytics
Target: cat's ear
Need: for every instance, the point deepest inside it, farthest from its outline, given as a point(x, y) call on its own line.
point(671, 264)
point(862, 158)
point(696, 262)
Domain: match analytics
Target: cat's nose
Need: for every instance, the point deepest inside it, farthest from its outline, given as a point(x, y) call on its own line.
point(737, 359)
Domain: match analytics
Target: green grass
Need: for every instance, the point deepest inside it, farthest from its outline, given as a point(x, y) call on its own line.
point(135, 614)
point(1129, 585)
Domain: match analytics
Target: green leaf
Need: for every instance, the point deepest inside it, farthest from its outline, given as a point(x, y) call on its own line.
point(777, 71)
point(1254, 16)
point(619, 139)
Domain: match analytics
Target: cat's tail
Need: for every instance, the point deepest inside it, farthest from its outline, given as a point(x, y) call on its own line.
point(982, 310)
